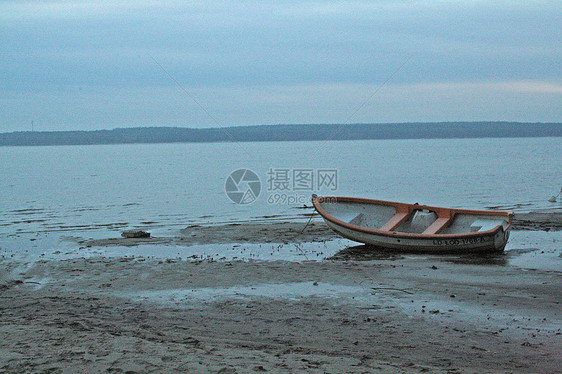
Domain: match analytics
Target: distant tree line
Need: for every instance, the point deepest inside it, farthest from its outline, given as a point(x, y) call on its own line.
point(435, 130)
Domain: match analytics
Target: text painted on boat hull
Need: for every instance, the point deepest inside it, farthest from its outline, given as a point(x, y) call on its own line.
point(462, 241)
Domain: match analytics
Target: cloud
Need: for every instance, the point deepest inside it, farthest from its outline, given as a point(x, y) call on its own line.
point(57, 48)
point(286, 104)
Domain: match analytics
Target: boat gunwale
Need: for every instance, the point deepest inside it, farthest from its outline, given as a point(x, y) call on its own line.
point(317, 200)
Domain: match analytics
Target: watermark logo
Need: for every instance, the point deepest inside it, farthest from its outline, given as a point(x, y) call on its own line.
point(242, 186)
point(302, 179)
point(284, 186)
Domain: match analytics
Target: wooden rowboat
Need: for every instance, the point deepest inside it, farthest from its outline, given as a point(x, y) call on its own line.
point(414, 227)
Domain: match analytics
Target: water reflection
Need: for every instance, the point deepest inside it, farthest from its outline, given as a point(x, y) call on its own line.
point(496, 259)
point(371, 253)
point(365, 253)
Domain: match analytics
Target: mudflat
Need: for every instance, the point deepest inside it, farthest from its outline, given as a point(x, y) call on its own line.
point(353, 312)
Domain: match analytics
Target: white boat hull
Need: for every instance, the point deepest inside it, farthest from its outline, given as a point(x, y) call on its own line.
point(484, 243)
point(414, 227)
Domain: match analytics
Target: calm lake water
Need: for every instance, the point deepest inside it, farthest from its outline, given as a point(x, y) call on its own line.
point(98, 191)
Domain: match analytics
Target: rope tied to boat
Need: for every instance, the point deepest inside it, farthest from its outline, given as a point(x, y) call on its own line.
point(553, 199)
point(304, 229)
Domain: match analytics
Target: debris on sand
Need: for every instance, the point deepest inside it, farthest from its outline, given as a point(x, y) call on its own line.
point(135, 234)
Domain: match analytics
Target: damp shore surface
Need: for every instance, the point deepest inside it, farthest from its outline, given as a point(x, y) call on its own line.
point(281, 297)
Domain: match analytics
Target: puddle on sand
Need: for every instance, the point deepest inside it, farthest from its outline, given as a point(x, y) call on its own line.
point(310, 251)
point(291, 291)
point(535, 250)
point(538, 250)
point(371, 297)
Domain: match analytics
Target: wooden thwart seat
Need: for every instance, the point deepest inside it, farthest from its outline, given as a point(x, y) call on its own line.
point(438, 225)
point(395, 221)
point(444, 218)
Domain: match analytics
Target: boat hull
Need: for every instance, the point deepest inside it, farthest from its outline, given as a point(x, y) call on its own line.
point(494, 242)
point(413, 227)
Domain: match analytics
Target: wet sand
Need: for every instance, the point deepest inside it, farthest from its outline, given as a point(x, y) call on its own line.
point(538, 221)
point(273, 231)
point(383, 313)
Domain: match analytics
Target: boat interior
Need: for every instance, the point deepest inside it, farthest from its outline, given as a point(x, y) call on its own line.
point(409, 218)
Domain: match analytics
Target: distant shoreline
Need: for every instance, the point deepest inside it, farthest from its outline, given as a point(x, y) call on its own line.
point(269, 133)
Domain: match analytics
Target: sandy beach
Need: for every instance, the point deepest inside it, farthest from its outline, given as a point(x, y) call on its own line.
point(354, 312)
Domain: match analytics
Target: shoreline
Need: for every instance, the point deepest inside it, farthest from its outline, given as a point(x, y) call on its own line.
point(281, 231)
point(286, 132)
point(348, 313)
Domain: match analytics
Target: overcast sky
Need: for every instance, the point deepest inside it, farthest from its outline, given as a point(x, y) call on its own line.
point(82, 65)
